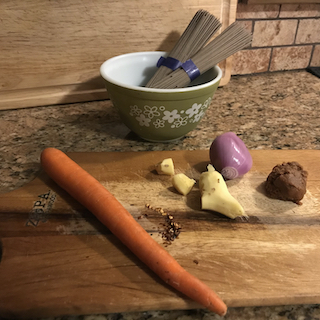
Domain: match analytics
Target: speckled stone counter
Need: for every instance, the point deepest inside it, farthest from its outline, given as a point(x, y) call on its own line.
point(268, 111)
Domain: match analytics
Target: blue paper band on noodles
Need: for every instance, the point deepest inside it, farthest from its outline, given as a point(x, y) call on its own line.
point(191, 69)
point(169, 62)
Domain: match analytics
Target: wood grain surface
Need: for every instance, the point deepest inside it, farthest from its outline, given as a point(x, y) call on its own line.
point(57, 259)
point(279, 1)
point(51, 50)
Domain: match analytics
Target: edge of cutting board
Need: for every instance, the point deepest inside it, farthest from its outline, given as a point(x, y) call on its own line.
point(61, 273)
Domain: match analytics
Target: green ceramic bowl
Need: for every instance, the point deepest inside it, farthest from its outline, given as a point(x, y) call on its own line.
point(157, 115)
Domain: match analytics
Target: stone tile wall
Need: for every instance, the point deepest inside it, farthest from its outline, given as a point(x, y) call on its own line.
point(285, 37)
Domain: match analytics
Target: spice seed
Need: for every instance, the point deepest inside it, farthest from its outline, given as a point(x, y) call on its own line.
point(171, 228)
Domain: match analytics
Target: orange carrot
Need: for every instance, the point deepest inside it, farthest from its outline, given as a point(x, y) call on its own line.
point(97, 199)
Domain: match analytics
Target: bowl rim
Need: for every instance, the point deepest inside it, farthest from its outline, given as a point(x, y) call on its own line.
point(144, 89)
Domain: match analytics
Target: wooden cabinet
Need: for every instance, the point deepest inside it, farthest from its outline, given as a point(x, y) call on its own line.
point(51, 50)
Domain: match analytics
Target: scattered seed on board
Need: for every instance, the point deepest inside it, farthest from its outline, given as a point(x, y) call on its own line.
point(171, 230)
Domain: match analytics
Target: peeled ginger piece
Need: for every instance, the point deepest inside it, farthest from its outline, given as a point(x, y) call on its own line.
point(165, 167)
point(215, 195)
point(182, 183)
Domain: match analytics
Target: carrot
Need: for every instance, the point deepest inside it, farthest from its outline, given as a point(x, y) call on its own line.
point(97, 199)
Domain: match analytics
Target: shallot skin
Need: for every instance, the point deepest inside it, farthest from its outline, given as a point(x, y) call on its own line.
point(230, 156)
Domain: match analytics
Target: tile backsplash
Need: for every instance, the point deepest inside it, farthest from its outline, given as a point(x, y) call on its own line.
point(285, 37)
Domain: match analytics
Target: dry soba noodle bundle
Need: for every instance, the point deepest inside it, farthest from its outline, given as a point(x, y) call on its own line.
point(233, 39)
point(199, 31)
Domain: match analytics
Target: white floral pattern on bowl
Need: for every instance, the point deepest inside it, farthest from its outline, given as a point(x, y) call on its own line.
point(159, 116)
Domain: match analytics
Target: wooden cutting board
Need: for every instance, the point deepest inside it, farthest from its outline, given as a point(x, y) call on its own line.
point(51, 50)
point(57, 259)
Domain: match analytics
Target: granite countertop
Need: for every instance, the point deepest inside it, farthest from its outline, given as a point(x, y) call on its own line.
point(267, 111)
